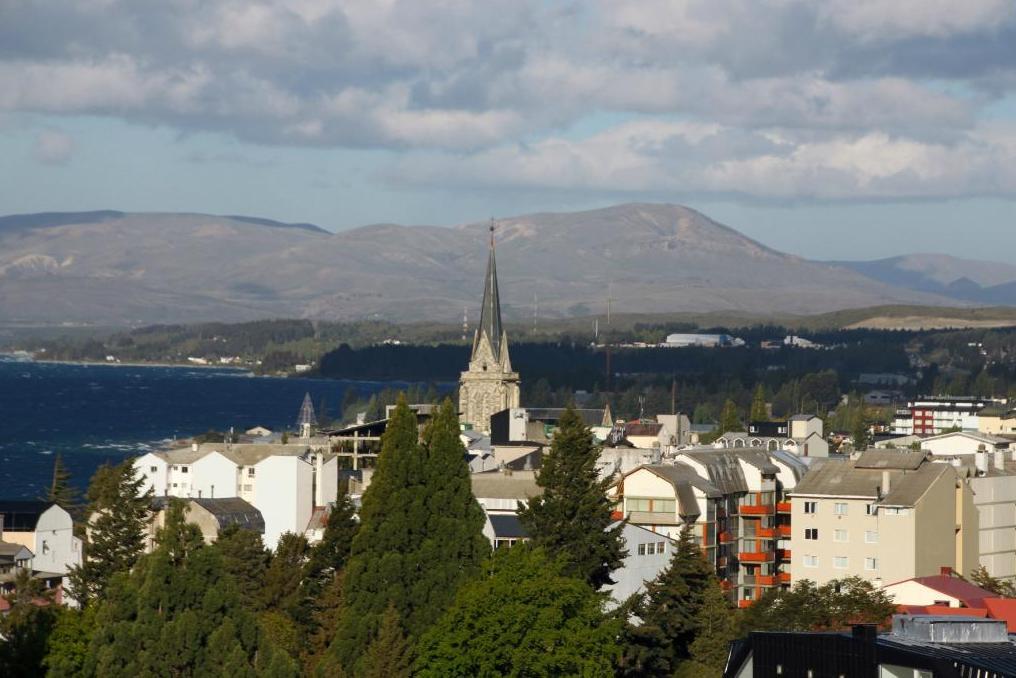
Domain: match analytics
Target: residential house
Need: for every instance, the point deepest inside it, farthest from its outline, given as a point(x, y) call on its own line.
point(963, 443)
point(284, 482)
point(45, 529)
point(940, 590)
point(885, 516)
point(801, 434)
point(997, 420)
point(16, 558)
point(648, 555)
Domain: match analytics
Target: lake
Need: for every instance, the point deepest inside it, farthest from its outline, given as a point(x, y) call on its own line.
point(92, 414)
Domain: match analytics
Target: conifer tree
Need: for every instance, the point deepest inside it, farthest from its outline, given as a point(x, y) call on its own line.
point(668, 610)
point(25, 627)
point(715, 628)
point(118, 515)
point(61, 491)
point(730, 418)
point(389, 655)
point(245, 559)
point(282, 589)
point(758, 404)
point(178, 613)
point(572, 518)
point(329, 556)
point(527, 618)
point(420, 534)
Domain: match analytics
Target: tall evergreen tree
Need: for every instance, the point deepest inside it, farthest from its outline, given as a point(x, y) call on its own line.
point(282, 589)
point(389, 655)
point(25, 627)
point(178, 613)
point(527, 618)
point(730, 418)
point(118, 513)
point(420, 534)
point(245, 559)
point(668, 611)
point(573, 518)
point(758, 404)
point(715, 628)
point(61, 491)
point(329, 556)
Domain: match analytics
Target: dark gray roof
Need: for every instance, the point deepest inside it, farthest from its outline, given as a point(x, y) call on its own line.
point(233, 511)
point(22, 516)
point(507, 526)
point(590, 417)
point(685, 480)
point(724, 469)
point(490, 312)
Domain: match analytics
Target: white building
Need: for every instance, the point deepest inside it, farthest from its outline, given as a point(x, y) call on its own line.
point(932, 415)
point(45, 529)
point(284, 482)
point(706, 340)
point(963, 443)
point(649, 554)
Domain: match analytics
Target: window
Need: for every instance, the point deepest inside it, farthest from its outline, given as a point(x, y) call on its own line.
point(661, 547)
point(650, 549)
point(871, 536)
point(840, 508)
point(811, 507)
point(183, 469)
point(250, 471)
point(895, 511)
point(871, 509)
point(642, 549)
point(871, 563)
point(651, 505)
point(840, 535)
point(840, 562)
point(153, 469)
point(811, 533)
point(45, 546)
point(811, 561)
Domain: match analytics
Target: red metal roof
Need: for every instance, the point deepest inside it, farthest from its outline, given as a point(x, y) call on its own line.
point(1003, 608)
point(954, 587)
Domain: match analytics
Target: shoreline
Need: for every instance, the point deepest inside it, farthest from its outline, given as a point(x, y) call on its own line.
point(134, 363)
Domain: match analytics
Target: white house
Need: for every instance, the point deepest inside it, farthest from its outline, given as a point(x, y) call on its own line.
point(284, 482)
point(958, 443)
point(649, 554)
point(45, 529)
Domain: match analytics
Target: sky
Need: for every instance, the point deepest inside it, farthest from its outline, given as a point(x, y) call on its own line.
point(834, 129)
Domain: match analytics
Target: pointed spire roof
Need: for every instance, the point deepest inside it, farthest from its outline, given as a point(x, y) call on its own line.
point(490, 312)
point(306, 413)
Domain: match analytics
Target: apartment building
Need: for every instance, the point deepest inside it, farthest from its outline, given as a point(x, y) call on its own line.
point(886, 516)
point(285, 482)
point(929, 416)
point(802, 435)
point(734, 500)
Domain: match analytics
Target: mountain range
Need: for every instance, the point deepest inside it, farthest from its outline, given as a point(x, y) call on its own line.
point(120, 268)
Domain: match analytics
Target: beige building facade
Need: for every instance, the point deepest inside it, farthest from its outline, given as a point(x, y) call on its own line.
point(885, 517)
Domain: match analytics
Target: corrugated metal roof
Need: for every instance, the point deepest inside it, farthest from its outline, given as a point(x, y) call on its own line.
point(233, 511)
point(507, 526)
point(891, 459)
point(496, 485)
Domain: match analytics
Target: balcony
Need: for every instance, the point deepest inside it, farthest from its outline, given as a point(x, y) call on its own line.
point(756, 510)
point(755, 557)
point(744, 603)
point(783, 530)
point(783, 577)
point(765, 532)
point(783, 554)
point(726, 538)
point(766, 580)
point(783, 507)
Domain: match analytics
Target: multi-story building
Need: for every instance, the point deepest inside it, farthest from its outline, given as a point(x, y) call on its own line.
point(929, 415)
point(734, 501)
point(997, 420)
point(284, 482)
point(886, 516)
point(802, 435)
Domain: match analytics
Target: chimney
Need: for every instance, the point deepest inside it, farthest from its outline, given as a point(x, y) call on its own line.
point(945, 571)
point(999, 460)
point(981, 460)
point(319, 476)
point(194, 447)
point(887, 483)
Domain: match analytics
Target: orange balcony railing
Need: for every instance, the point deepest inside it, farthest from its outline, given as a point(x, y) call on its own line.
point(765, 580)
point(765, 532)
point(783, 577)
point(756, 510)
point(755, 557)
point(783, 554)
point(783, 530)
point(726, 537)
point(744, 603)
point(783, 506)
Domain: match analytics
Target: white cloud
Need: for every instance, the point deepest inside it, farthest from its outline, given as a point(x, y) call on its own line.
point(53, 147)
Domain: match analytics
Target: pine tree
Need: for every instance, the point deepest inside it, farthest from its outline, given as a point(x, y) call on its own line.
point(758, 404)
point(527, 618)
point(420, 534)
point(389, 655)
point(245, 559)
point(715, 628)
point(118, 517)
point(573, 518)
point(860, 429)
point(61, 491)
point(730, 418)
point(25, 627)
point(668, 611)
point(282, 589)
point(178, 613)
point(329, 556)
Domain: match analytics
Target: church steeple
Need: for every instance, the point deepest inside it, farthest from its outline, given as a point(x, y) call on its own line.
point(488, 385)
point(490, 312)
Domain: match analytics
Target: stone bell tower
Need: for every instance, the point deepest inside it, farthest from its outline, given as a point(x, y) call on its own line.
point(489, 385)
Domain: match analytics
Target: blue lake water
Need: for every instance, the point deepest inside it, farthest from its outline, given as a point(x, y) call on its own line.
point(92, 414)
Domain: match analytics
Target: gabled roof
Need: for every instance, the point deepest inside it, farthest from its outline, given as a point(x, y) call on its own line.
point(22, 516)
point(842, 478)
point(974, 435)
point(233, 511)
point(497, 485)
point(1003, 608)
point(954, 587)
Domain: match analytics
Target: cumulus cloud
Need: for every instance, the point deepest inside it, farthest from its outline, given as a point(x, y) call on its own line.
point(53, 147)
point(772, 99)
